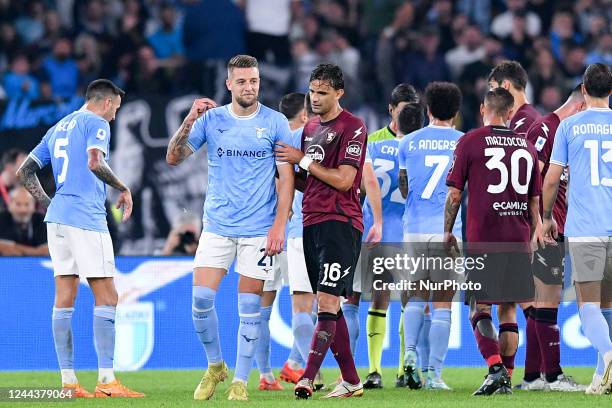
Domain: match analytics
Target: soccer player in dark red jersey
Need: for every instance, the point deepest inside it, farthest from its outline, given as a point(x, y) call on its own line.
point(511, 75)
point(542, 329)
point(503, 223)
point(333, 153)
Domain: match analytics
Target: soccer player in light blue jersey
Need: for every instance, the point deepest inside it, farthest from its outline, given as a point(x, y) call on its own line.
point(424, 159)
point(80, 245)
point(584, 143)
point(244, 216)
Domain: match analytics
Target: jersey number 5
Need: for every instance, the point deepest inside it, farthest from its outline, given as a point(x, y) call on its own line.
point(59, 151)
point(496, 155)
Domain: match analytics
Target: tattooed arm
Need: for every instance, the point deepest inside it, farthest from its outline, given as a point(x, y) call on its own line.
point(100, 168)
point(27, 176)
point(177, 148)
point(451, 209)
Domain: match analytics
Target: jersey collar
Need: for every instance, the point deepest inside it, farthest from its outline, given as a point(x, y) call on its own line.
point(251, 116)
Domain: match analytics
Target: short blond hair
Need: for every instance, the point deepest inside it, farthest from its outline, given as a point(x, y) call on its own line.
point(242, 61)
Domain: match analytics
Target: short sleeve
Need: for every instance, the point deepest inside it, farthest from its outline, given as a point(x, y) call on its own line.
point(283, 134)
point(353, 144)
point(97, 134)
point(539, 137)
point(41, 154)
point(559, 150)
point(458, 172)
point(197, 135)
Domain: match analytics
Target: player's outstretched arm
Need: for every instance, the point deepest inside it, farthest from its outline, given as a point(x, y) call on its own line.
point(27, 176)
point(101, 169)
point(177, 148)
point(451, 209)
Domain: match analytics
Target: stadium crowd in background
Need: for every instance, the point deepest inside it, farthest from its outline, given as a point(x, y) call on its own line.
point(50, 49)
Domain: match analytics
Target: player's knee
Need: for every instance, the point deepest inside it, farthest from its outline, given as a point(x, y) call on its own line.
point(203, 301)
point(328, 303)
point(302, 303)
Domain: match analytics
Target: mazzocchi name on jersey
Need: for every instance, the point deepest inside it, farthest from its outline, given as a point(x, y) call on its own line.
point(505, 141)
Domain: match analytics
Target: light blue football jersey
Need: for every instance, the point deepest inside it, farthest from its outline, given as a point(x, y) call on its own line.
point(241, 195)
point(80, 195)
point(384, 157)
point(426, 155)
point(295, 227)
point(584, 143)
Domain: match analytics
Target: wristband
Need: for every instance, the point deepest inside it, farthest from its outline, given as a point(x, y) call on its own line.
point(305, 162)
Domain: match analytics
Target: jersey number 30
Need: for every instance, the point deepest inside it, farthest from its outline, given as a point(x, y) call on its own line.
point(496, 155)
point(59, 151)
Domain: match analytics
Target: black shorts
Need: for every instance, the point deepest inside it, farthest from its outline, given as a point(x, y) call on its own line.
point(501, 278)
point(331, 250)
point(548, 263)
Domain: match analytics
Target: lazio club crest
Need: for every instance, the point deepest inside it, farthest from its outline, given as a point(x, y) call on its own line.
point(260, 132)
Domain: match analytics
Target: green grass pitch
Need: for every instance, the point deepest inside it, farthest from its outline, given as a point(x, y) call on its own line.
point(175, 389)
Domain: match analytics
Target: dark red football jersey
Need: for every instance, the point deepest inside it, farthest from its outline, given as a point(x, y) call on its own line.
point(340, 141)
point(542, 135)
point(523, 119)
point(501, 171)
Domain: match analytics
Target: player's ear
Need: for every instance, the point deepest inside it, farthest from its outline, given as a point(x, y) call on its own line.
point(482, 109)
point(505, 84)
point(228, 84)
point(339, 93)
point(390, 109)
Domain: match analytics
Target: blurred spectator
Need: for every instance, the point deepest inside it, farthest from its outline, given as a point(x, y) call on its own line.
point(478, 11)
point(148, 76)
point(473, 83)
point(268, 24)
point(598, 26)
point(441, 16)
point(346, 57)
point(544, 72)
point(304, 61)
point(342, 19)
point(62, 70)
point(424, 65)
point(167, 41)
point(53, 32)
point(30, 26)
point(22, 230)
point(213, 32)
point(11, 160)
point(19, 82)
point(92, 20)
point(9, 44)
point(377, 15)
point(549, 99)
point(562, 31)
point(89, 60)
point(501, 25)
point(518, 43)
point(394, 39)
point(574, 64)
point(602, 52)
point(470, 49)
point(183, 238)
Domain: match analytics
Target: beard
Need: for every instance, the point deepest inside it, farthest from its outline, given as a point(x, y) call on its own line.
point(246, 103)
